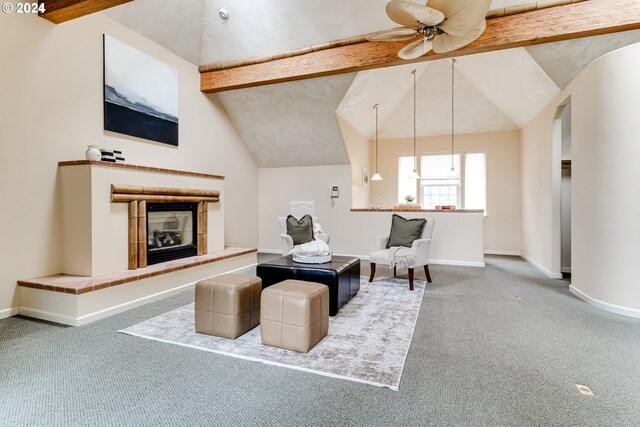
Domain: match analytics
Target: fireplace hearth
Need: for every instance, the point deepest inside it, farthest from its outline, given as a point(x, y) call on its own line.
point(171, 231)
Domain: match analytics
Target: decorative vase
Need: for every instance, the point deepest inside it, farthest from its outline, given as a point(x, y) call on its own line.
point(93, 153)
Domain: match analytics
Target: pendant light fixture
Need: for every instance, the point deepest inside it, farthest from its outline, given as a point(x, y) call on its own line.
point(414, 174)
point(376, 176)
point(453, 81)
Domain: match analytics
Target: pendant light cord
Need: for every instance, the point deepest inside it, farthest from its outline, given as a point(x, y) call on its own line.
point(375, 107)
point(453, 69)
point(415, 157)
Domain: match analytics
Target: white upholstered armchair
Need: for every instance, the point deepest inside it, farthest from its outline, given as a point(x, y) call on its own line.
point(287, 241)
point(419, 252)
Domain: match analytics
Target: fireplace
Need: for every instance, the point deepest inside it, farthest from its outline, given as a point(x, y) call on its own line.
point(172, 231)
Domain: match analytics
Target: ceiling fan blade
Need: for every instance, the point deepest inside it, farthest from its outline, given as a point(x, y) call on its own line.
point(462, 16)
point(415, 49)
point(413, 15)
point(397, 34)
point(443, 43)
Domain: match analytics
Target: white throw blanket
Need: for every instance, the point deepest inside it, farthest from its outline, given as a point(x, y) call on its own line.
point(317, 229)
point(313, 248)
point(403, 258)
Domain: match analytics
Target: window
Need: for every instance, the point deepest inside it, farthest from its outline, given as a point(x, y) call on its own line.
point(464, 187)
point(440, 185)
point(406, 185)
point(475, 183)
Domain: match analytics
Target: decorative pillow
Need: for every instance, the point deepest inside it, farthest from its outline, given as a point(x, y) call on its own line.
point(301, 231)
point(405, 231)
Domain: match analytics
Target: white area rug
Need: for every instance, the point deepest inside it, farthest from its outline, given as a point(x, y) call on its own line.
point(368, 340)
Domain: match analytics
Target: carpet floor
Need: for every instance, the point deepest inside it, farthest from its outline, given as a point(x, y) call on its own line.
point(368, 339)
point(498, 346)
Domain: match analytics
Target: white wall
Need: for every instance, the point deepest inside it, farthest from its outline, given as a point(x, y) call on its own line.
point(457, 237)
point(357, 146)
point(502, 225)
point(51, 108)
point(540, 165)
point(566, 220)
point(605, 231)
point(605, 177)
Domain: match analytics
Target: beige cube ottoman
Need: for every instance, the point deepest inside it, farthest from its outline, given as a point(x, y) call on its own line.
point(294, 315)
point(228, 305)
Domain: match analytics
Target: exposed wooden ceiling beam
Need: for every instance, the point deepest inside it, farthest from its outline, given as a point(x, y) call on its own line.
point(59, 11)
point(572, 21)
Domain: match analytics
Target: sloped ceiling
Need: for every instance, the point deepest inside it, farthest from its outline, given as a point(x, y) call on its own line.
point(294, 124)
point(474, 112)
point(176, 24)
point(564, 60)
point(291, 124)
point(194, 30)
point(489, 93)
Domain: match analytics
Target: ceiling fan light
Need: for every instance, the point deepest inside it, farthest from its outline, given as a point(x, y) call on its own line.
point(376, 177)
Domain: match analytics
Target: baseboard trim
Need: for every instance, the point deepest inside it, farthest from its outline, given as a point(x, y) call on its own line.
point(457, 263)
point(269, 251)
point(612, 308)
point(8, 312)
point(541, 268)
point(431, 261)
point(566, 270)
point(503, 253)
point(115, 309)
point(92, 317)
point(47, 315)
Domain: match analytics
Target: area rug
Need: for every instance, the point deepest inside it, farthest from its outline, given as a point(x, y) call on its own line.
point(368, 340)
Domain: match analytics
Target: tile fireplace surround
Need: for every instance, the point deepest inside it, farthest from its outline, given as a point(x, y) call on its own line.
point(97, 277)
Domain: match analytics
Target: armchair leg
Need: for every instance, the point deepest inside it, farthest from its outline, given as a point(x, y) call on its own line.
point(394, 271)
point(373, 272)
point(411, 279)
point(426, 272)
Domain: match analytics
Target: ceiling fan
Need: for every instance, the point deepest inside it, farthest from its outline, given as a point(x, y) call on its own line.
point(445, 25)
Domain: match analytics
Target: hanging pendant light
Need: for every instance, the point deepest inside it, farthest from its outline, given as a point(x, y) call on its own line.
point(376, 176)
point(453, 73)
point(414, 174)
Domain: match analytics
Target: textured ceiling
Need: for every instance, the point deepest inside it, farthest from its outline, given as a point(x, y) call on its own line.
point(386, 87)
point(294, 124)
point(564, 60)
point(291, 124)
point(174, 24)
point(474, 112)
point(489, 91)
point(194, 30)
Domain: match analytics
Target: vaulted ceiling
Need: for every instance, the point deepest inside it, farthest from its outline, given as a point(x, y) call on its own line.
point(294, 124)
point(194, 30)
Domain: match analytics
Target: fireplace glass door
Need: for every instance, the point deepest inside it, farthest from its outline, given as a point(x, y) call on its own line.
point(171, 231)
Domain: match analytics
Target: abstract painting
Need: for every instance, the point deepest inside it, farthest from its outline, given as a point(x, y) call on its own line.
point(140, 94)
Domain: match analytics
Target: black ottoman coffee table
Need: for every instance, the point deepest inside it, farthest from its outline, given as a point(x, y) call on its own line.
point(341, 275)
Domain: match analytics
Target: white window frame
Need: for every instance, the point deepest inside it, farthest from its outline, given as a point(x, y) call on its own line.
point(417, 189)
point(424, 182)
point(461, 183)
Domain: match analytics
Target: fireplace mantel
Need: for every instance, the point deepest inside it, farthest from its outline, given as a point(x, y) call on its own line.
point(138, 168)
point(97, 237)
